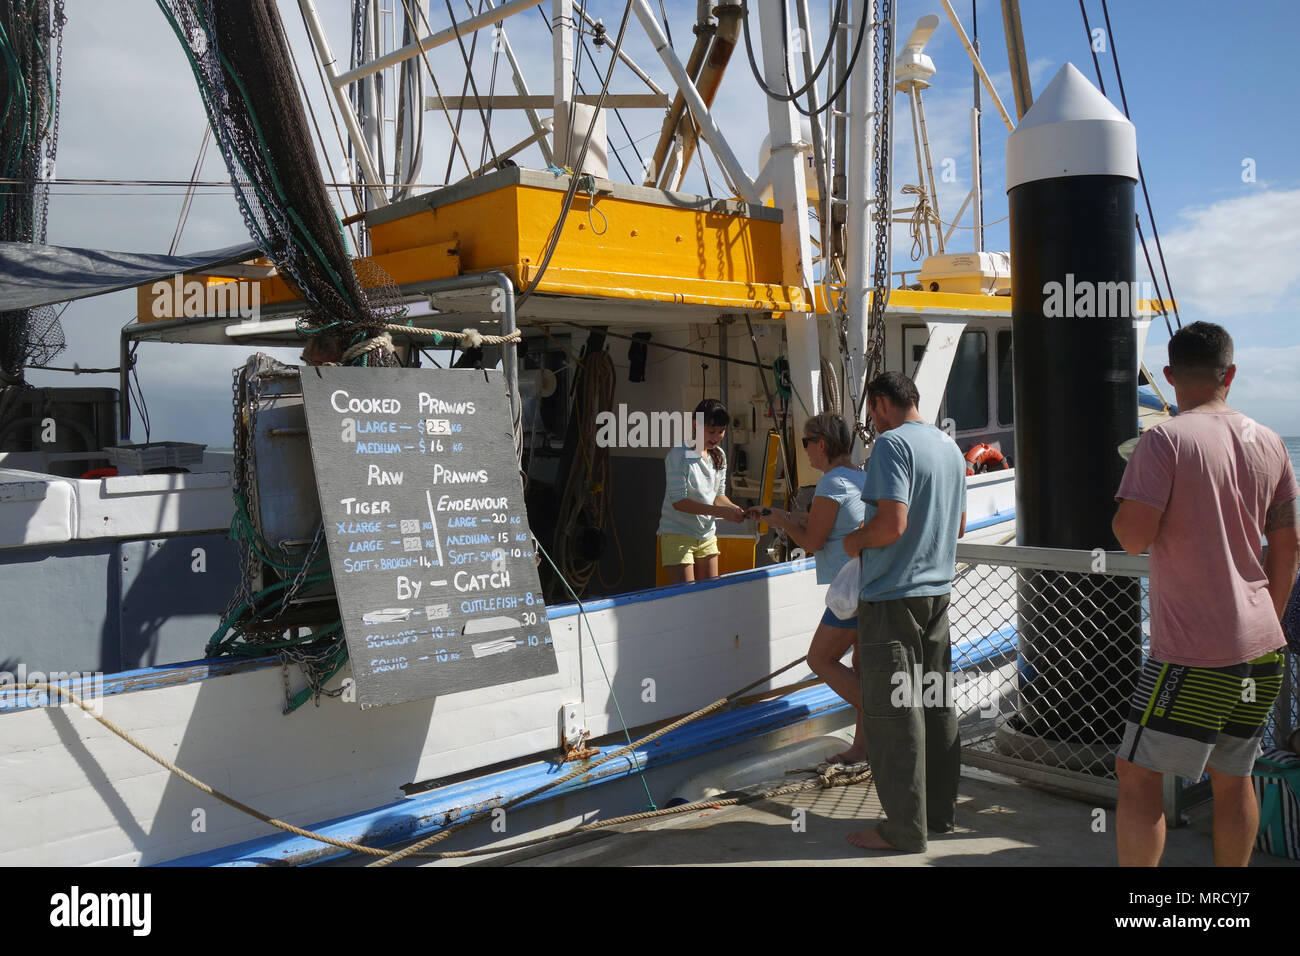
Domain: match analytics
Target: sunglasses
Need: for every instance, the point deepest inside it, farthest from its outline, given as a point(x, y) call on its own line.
point(808, 441)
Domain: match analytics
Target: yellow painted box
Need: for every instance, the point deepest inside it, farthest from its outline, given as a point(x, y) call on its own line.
point(617, 241)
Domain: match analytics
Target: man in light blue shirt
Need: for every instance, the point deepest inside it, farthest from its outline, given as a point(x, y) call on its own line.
point(915, 495)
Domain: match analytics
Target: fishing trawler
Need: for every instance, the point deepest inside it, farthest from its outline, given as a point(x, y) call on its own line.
point(777, 296)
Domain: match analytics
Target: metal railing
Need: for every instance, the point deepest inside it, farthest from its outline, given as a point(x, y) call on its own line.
point(1047, 648)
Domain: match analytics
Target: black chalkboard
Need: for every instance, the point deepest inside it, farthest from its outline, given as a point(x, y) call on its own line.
point(424, 516)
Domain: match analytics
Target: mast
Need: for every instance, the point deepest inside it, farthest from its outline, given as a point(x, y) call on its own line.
point(1016, 57)
point(790, 194)
point(562, 79)
point(976, 135)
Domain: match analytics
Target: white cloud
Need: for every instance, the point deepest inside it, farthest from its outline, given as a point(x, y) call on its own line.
point(1269, 374)
point(1267, 386)
point(1237, 256)
point(1042, 70)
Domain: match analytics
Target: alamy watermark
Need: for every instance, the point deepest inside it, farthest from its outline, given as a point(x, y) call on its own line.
point(179, 297)
point(21, 689)
point(1094, 300)
point(75, 908)
point(935, 689)
point(638, 429)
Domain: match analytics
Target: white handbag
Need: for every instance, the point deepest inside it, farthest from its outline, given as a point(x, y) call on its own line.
point(842, 595)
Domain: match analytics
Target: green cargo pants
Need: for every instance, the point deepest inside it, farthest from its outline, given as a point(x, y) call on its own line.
point(905, 663)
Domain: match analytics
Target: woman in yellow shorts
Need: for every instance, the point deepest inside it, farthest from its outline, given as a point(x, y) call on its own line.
point(694, 498)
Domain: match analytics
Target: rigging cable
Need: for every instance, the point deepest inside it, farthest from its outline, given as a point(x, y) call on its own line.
point(189, 193)
point(1141, 179)
point(1155, 233)
point(844, 80)
point(492, 89)
point(1087, 26)
point(792, 94)
point(136, 392)
point(302, 84)
point(1096, 64)
point(469, 76)
point(618, 114)
point(437, 91)
point(464, 84)
point(663, 12)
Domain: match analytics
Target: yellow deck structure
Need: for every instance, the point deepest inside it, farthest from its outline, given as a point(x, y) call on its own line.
point(619, 243)
point(627, 255)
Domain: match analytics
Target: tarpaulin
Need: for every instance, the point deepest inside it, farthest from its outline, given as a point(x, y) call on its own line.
point(34, 275)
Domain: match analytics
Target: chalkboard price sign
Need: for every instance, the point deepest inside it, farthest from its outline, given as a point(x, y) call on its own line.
point(432, 556)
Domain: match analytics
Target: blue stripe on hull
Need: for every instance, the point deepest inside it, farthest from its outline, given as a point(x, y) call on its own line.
point(426, 814)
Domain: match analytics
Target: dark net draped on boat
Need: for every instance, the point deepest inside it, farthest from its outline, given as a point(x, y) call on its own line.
point(241, 61)
point(31, 47)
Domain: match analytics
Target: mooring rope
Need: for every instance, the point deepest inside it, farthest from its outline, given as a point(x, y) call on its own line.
point(386, 857)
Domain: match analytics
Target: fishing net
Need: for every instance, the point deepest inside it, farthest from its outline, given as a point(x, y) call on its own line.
point(31, 66)
point(241, 61)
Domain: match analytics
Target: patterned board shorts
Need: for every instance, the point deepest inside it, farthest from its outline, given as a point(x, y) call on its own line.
point(1183, 718)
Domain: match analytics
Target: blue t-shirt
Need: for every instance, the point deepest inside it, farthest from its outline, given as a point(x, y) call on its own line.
point(688, 474)
point(844, 487)
point(923, 468)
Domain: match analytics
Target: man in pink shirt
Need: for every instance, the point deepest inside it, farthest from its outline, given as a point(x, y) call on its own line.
point(1200, 491)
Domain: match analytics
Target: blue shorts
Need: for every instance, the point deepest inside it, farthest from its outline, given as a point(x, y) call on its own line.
point(830, 620)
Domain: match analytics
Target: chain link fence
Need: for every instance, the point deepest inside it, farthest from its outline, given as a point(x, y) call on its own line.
point(1047, 648)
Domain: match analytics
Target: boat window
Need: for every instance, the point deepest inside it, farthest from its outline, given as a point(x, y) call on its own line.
point(967, 397)
point(1006, 382)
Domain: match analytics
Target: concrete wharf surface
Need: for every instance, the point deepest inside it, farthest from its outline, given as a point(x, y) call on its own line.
point(1000, 822)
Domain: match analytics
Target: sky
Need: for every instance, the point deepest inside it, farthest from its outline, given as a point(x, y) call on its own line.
point(1210, 88)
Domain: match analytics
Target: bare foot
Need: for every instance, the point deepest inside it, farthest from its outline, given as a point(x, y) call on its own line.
point(870, 840)
point(854, 754)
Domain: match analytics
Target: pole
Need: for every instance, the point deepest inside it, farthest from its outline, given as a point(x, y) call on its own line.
point(1071, 172)
point(708, 128)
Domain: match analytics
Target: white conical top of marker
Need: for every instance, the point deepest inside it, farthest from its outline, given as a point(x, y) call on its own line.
point(1071, 130)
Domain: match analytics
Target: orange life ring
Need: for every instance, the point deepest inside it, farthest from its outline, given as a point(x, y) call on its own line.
point(982, 458)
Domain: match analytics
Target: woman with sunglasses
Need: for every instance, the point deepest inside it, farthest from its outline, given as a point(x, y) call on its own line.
point(837, 509)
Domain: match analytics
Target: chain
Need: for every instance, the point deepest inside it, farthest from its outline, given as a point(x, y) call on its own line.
point(312, 664)
point(247, 400)
point(244, 593)
point(882, 49)
point(60, 18)
point(307, 561)
point(52, 146)
point(316, 662)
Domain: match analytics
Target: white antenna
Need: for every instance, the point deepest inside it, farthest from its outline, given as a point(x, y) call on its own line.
point(912, 73)
point(912, 64)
